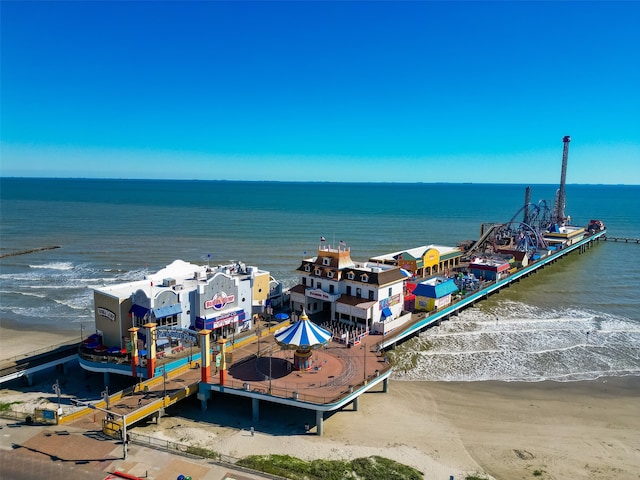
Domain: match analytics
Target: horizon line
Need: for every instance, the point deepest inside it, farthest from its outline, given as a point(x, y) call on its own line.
point(3, 177)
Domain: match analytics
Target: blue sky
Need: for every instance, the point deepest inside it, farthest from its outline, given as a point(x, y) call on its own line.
point(321, 91)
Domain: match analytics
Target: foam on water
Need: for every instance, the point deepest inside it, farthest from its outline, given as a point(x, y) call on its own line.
point(518, 342)
point(54, 266)
point(57, 292)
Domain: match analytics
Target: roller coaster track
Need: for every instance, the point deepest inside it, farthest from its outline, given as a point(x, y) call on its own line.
point(486, 235)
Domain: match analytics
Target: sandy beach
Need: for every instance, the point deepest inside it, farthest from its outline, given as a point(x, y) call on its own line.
point(16, 340)
point(547, 430)
point(577, 430)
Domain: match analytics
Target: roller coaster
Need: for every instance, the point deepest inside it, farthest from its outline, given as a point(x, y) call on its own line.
point(515, 235)
point(526, 235)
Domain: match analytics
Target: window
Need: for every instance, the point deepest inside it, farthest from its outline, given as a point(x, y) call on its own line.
point(326, 261)
point(170, 321)
point(304, 281)
point(350, 275)
point(317, 271)
point(364, 277)
point(390, 291)
point(319, 286)
point(307, 268)
point(331, 288)
point(358, 292)
point(311, 282)
point(330, 274)
point(348, 289)
point(371, 295)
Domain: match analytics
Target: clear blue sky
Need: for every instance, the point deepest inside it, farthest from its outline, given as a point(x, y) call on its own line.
point(326, 91)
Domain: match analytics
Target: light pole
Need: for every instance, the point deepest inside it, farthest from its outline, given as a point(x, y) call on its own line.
point(105, 396)
point(270, 354)
point(364, 357)
point(108, 412)
point(56, 389)
point(258, 332)
point(164, 385)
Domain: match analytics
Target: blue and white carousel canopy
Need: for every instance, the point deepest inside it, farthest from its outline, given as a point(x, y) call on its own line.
point(302, 334)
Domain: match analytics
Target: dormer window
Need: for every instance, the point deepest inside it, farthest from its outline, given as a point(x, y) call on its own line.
point(350, 275)
point(317, 271)
point(307, 268)
point(329, 274)
point(364, 277)
point(326, 261)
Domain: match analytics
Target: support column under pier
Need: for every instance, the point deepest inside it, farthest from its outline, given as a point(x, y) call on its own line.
point(385, 385)
point(355, 404)
point(255, 409)
point(319, 420)
point(106, 378)
point(203, 396)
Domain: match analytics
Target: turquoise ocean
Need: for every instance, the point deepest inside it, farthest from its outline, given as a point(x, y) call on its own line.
point(113, 231)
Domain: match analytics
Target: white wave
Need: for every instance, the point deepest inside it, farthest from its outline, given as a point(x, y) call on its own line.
point(54, 266)
point(26, 294)
point(526, 343)
point(78, 303)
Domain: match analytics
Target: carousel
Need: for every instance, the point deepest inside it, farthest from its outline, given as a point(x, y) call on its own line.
point(302, 336)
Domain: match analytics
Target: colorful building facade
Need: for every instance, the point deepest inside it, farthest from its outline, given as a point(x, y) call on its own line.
point(423, 261)
point(183, 296)
point(356, 294)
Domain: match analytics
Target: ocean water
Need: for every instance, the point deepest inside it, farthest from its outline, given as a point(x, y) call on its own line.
point(112, 231)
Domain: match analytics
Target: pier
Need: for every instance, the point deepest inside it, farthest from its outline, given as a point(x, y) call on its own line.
point(260, 372)
point(424, 320)
point(621, 239)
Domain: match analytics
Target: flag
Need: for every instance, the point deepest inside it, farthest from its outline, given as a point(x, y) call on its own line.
point(322, 239)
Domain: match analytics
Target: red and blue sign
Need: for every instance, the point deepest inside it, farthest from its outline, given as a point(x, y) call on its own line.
point(219, 301)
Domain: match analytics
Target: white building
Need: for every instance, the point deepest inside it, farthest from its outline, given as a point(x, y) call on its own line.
point(184, 296)
point(357, 294)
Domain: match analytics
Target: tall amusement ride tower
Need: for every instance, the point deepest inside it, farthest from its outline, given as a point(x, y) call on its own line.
point(561, 196)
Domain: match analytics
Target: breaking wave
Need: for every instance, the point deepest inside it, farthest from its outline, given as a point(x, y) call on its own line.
point(518, 342)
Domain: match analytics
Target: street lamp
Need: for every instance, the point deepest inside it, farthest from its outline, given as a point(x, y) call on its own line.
point(364, 356)
point(258, 333)
point(108, 412)
point(164, 385)
point(105, 396)
point(56, 389)
point(270, 355)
